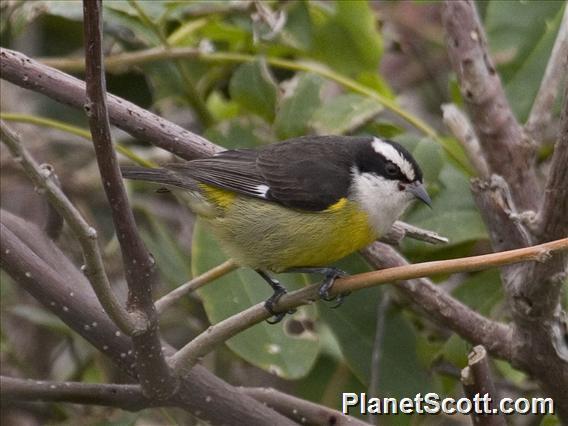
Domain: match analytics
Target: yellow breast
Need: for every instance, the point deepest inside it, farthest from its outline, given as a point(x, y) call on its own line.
point(265, 235)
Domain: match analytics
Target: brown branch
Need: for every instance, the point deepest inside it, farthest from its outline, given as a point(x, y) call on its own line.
point(499, 133)
point(477, 382)
point(543, 105)
point(473, 326)
point(126, 397)
point(155, 376)
point(533, 290)
point(36, 263)
point(536, 290)
point(183, 290)
point(552, 216)
point(86, 234)
point(25, 72)
point(401, 230)
point(461, 128)
point(433, 302)
point(300, 410)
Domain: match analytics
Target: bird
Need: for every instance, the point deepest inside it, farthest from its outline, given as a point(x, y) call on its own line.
point(297, 205)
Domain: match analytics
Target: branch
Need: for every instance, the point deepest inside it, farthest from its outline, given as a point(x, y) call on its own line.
point(216, 334)
point(59, 286)
point(301, 411)
point(169, 299)
point(156, 377)
point(460, 126)
point(126, 397)
point(499, 133)
point(86, 234)
point(477, 381)
point(552, 216)
point(25, 72)
point(434, 303)
point(543, 105)
point(401, 230)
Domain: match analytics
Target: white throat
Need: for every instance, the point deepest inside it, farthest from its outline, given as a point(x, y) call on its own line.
point(380, 198)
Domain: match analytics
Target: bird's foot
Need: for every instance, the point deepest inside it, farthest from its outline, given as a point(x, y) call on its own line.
point(330, 275)
point(279, 291)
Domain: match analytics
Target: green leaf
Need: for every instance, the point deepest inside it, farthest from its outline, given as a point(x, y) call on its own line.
point(354, 327)
point(453, 214)
point(347, 38)
point(455, 351)
point(171, 260)
point(253, 87)
point(221, 108)
point(241, 132)
point(297, 32)
point(522, 45)
point(344, 114)
point(41, 317)
point(482, 291)
point(302, 96)
point(288, 349)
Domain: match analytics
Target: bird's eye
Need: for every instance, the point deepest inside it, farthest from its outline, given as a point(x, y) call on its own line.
point(391, 169)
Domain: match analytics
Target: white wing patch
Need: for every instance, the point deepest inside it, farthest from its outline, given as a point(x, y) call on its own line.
point(261, 190)
point(391, 154)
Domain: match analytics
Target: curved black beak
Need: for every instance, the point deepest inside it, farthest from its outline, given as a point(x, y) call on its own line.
point(417, 189)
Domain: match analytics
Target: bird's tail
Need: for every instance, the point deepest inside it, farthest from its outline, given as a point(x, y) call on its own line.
point(160, 176)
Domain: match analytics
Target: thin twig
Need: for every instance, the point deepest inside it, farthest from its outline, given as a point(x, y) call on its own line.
point(86, 234)
point(478, 383)
point(25, 72)
point(156, 377)
point(550, 86)
point(461, 128)
point(401, 230)
point(39, 266)
point(218, 271)
point(127, 397)
point(222, 331)
point(300, 410)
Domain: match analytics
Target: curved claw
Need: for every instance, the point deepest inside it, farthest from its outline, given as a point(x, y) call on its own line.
point(340, 299)
point(277, 318)
point(329, 278)
point(269, 306)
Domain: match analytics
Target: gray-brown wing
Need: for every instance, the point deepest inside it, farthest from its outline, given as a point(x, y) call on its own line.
point(235, 170)
point(309, 173)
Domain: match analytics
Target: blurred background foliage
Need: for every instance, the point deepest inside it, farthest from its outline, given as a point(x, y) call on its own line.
point(258, 73)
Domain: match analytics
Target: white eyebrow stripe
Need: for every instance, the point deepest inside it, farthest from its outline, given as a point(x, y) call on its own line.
point(391, 153)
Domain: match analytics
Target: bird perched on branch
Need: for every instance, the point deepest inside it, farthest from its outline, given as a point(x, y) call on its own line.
point(297, 205)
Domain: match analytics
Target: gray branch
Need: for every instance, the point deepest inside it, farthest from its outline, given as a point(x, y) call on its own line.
point(430, 300)
point(86, 234)
point(543, 105)
point(155, 376)
point(36, 263)
point(126, 397)
point(499, 133)
point(25, 72)
point(477, 380)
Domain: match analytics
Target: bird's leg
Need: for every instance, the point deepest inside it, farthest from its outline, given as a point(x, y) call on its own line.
point(330, 274)
point(279, 291)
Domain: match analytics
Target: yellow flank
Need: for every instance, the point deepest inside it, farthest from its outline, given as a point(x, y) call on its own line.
point(265, 235)
point(220, 197)
point(338, 205)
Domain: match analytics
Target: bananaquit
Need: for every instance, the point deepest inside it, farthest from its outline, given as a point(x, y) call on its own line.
point(297, 205)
